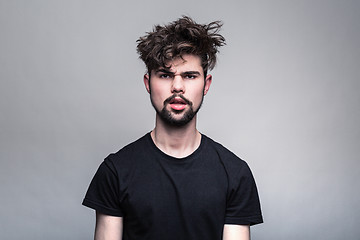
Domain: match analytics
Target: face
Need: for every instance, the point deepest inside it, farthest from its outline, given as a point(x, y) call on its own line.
point(177, 92)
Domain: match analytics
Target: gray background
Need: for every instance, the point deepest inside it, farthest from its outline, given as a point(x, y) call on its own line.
point(285, 97)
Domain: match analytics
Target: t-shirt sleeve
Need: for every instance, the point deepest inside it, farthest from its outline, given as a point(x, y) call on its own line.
point(103, 192)
point(243, 204)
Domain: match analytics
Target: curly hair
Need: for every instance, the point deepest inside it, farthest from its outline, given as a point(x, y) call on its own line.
point(183, 36)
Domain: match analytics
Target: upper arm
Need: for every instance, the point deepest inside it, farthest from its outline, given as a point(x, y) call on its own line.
point(236, 232)
point(108, 227)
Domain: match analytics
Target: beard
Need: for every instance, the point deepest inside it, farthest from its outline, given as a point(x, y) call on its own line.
point(168, 116)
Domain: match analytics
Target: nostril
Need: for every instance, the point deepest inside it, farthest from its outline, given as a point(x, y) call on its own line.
point(177, 87)
point(177, 90)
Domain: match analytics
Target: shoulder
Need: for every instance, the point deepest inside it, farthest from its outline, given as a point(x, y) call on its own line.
point(128, 155)
point(233, 165)
point(224, 153)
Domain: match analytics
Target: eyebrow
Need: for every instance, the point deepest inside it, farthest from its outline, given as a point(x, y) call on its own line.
point(162, 70)
point(184, 73)
point(192, 73)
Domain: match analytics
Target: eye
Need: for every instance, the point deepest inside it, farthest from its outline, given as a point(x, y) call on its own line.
point(190, 76)
point(165, 76)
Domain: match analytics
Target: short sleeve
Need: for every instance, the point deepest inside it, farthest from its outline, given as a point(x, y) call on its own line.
point(103, 192)
point(243, 204)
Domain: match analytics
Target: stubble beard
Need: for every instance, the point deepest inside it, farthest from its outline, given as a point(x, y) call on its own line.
point(169, 118)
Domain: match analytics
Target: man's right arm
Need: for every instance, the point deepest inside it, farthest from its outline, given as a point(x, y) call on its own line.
point(108, 227)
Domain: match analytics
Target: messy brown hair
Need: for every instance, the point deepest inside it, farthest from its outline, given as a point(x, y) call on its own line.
point(183, 36)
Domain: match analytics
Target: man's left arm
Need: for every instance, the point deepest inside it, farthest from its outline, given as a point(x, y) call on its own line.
point(236, 232)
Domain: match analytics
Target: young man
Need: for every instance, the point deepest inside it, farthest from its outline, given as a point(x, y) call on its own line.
point(175, 183)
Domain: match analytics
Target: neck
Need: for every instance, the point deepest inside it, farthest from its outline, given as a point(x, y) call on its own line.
point(178, 142)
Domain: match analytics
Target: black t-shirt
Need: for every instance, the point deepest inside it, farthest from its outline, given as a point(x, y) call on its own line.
point(162, 197)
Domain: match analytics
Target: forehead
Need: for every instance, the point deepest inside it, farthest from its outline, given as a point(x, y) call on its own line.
point(187, 62)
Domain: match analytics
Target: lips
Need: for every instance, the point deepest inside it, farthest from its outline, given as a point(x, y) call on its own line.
point(177, 100)
point(177, 103)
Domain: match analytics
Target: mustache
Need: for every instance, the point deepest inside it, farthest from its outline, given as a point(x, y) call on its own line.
point(179, 96)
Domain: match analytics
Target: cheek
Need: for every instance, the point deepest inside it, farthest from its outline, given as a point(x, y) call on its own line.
point(159, 87)
point(157, 94)
point(155, 98)
point(197, 93)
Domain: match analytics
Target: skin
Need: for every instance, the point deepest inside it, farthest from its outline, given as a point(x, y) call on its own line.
point(236, 232)
point(184, 77)
point(178, 141)
point(108, 227)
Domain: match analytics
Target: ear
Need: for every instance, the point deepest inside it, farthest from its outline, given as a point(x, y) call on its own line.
point(208, 81)
point(147, 82)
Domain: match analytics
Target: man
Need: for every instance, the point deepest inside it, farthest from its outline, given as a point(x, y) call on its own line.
point(174, 182)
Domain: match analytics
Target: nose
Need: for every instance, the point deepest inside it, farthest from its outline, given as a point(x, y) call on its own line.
point(178, 84)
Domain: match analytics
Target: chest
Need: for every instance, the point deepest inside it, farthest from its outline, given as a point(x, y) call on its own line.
point(164, 191)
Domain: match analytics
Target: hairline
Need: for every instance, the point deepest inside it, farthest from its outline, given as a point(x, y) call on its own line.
point(205, 71)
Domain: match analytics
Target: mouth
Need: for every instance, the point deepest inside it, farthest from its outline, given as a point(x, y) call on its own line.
point(177, 103)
